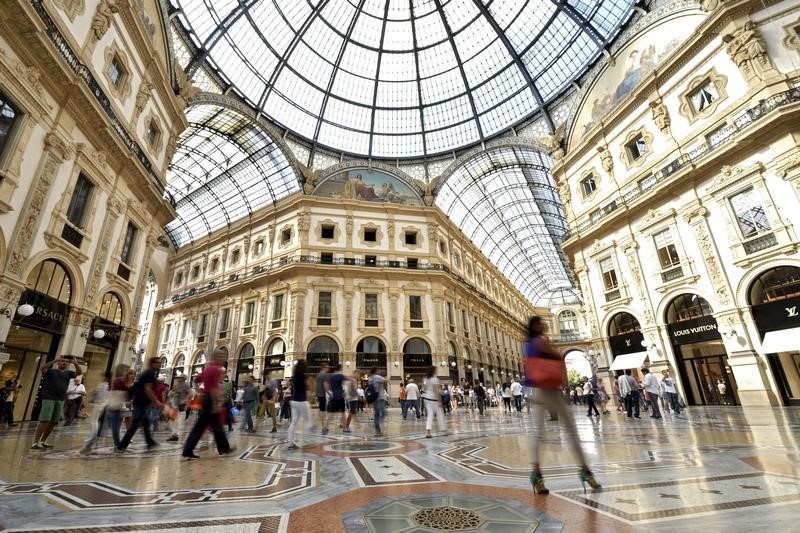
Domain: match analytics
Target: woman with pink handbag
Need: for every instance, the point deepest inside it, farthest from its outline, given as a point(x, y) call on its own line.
point(546, 372)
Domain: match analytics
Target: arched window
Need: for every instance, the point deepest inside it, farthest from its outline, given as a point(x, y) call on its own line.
point(370, 345)
point(568, 324)
point(416, 346)
point(276, 347)
point(247, 351)
point(479, 356)
point(622, 323)
point(52, 279)
point(588, 185)
point(775, 284)
point(687, 307)
point(110, 308)
point(451, 350)
point(180, 361)
point(323, 345)
point(200, 359)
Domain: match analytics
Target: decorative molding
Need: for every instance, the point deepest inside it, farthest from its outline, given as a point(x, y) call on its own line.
point(648, 141)
point(748, 51)
point(731, 175)
point(712, 262)
point(114, 207)
point(106, 9)
point(660, 115)
point(654, 217)
point(143, 96)
point(687, 109)
point(123, 90)
point(72, 8)
point(606, 160)
point(792, 39)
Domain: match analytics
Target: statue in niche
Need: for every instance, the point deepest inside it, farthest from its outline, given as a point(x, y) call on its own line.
point(660, 115)
point(748, 51)
point(554, 142)
point(605, 159)
point(102, 18)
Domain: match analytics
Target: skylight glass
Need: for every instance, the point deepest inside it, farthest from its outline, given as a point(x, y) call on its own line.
point(450, 73)
point(504, 199)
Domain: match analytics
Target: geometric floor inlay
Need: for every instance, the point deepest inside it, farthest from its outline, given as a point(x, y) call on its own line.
point(448, 513)
point(652, 501)
point(242, 524)
point(389, 470)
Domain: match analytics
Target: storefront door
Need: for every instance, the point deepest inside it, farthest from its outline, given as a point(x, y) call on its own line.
point(29, 350)
point(713, 381)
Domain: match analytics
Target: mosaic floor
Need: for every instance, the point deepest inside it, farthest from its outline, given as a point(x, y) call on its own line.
point(712, 469)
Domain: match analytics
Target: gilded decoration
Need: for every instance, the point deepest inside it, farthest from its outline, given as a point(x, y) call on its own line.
point(687, 108)
point(748, 51)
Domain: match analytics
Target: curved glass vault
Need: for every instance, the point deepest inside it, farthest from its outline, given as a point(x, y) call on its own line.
point(397, 78)
point(226, 167)
point(504, 199)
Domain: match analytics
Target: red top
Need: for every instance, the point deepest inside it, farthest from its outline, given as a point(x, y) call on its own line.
point(210, 378)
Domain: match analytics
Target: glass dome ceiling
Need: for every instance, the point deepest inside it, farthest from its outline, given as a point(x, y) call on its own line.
point(504, 199)
point(398, 78)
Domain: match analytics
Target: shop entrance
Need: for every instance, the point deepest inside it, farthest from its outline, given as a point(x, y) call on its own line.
point(709, 381)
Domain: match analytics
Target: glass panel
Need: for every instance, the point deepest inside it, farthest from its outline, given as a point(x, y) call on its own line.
point(79, 201)
point(415, 307)
point(127, 245)
point(749, 213)
point(324, 308)
point(371, 306)
point(8, 116)
point(277, 307)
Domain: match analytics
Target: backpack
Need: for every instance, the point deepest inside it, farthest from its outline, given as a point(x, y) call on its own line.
point(370, 393)
point(5, 392)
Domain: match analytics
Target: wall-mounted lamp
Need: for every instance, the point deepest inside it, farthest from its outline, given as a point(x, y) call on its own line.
point(728, 332)
point(23, 311)
point(396, 364)
point(492, 371)
point(347, 363)
point(250, 366)
point(481, 370)
point(469, 367)
point(453, 364)
point(97, 334)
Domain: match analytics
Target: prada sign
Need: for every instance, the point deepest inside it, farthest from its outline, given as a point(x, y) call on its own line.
point(318, 359)
point(48, 313)
point(416, 360)
point(368, 360)
point(626, 343)
point(783, 314)
point(695, 330)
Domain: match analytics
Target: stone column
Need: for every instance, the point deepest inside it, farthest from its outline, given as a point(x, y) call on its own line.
point(79, 326)
point(347, 324)
point(100, 259)
point(56, 151)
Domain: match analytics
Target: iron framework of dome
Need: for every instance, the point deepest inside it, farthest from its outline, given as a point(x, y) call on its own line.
point(397, 79)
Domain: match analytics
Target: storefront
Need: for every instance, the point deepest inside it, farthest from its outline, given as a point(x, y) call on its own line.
point(198, 364)
point(322, 350)
point(417, 359)
point(178, 368)
point(244, 365)
point(101, 349)
point(468, 374)
point(275, 360)
point(699, 352)
point(482, 370)
point(371, 352)
point(33, 340)
point(775, 304)
point(625, 338)
point(452, 364)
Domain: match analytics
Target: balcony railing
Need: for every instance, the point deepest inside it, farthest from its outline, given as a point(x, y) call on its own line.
point(721, 137)
point(762, 242)
point(613, 295)
point(672, 274)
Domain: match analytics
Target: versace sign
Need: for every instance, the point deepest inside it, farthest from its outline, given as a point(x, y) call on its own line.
point(49, 314)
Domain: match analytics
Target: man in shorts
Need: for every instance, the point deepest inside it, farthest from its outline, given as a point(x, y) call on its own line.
point(55, 380)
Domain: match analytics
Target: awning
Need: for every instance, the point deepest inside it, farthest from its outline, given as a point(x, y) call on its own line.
point(784, 340)
point(628, 360)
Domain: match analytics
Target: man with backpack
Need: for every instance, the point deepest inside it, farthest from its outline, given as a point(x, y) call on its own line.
point(269, 398)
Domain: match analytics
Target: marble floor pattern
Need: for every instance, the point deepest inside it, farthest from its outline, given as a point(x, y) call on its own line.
point(712, 469)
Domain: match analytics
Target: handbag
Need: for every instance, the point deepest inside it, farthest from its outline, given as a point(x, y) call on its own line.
point(546, 373)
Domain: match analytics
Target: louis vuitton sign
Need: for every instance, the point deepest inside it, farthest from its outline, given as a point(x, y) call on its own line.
point(699, 329)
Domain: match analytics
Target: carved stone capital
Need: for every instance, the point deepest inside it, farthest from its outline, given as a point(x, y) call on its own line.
point(59, 146)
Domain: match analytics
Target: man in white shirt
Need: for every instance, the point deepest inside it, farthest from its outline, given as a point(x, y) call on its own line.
point(650, 383)
point(516, 393)
point(629, 390)
point(670, 391)
point(412, 397)
point(75, 393)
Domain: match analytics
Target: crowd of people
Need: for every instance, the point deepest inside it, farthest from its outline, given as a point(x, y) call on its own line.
point(125, 403)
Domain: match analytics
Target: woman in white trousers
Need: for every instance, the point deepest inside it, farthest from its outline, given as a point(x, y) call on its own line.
point(300, 408)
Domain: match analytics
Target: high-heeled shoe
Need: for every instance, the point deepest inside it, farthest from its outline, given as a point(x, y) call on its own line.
point(588, 477)
point(537, 482)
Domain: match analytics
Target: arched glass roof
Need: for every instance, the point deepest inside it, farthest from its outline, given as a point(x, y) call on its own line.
point(398, 78)
point(226, 167)
point(504, 199)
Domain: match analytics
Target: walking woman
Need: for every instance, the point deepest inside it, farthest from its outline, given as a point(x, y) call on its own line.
point(546, 373)
point(432, 396)
point(300, 408)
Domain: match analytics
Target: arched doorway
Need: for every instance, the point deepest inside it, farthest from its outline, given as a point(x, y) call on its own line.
point(178, 367)
point(416, 359)
point(774, 299)
point(699, 352)
point(452, 362)
point(275, 360)
point(371, 352)
point(568, 326)
point(33, 340)
point(322, 350)
point(245, 364)
point(468, 374)
point(99, 353)
point(482, 366)
point(199, 364)
point(625, 337)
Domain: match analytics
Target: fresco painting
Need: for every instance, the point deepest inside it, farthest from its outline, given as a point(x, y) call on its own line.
point(368, 185)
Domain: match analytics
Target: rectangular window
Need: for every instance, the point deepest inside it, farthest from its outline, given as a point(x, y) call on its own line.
point(235, 256)
point(371, 310)
point(184, 329)
point(128, 243)
point(195, 272)
point(286, 236)
point(703, 96)
point(370, 235)
point(214, 264)
point(477, 328)
point(277, 310)
point(750, 215)
point(327, 231)
point(609, 274)
point(412, 262)
point(152, 134)
point(324, 309)
point(465, 322)
point(259, 248)
point(370, 260)
point(415, 311)
point(224, 322)
point(79, 202)
point(451, 319)
point(636, 148)
point(326, 258)
point(588, 185)
point(411, 237)
point(249, 318)
point(167, 335)
point(8, 116)
point(115, 71)
point(666, 250)
point(201, 328)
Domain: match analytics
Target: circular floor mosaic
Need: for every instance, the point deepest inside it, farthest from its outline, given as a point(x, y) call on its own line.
point(355, 447)
point(450, 512)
